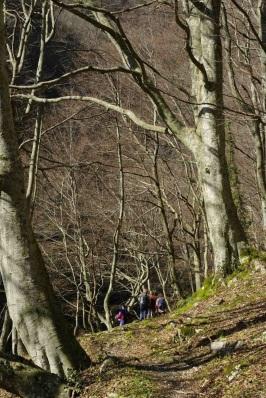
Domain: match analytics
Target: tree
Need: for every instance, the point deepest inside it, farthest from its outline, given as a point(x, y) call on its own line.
point(204, 47)
point(31, 302)
point(206, 139)
point(250, 94)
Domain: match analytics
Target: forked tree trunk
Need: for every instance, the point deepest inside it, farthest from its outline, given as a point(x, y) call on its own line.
point(30, 299)
point(225, 230)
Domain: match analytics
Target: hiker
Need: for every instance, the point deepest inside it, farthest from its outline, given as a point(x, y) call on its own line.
point(160, 304)
point(143, 304)
point(152, 304)
point(121, 315)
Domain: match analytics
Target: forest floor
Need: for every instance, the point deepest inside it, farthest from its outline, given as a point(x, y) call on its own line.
point(213, 345)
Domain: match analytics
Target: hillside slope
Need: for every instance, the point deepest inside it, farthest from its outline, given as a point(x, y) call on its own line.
point(214, 346)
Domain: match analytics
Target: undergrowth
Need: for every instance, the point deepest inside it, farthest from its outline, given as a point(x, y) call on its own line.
point(207, 290)
point(136, 386)
point(212, 284)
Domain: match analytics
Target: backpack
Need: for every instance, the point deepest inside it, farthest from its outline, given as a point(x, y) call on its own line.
point(121, 315)
point(152, 303)
point(161, 304)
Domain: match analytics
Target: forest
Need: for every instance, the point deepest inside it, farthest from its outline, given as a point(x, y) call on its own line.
point(132, 155)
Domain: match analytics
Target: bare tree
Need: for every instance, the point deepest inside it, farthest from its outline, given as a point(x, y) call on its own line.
point(206, 140)
point(30, 298)
point(250, 56)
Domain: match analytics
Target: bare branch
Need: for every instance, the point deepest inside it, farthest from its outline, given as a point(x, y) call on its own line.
point(88, 68)
point(184, 26)
point(111, 25)
point(253, 29)
point(126, 112)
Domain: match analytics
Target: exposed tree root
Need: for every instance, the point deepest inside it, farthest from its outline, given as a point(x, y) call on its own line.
point(28, 381)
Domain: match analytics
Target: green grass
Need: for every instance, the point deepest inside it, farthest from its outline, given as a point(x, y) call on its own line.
point(251, 253)
point(137, 386)
point(211, 285)
point(242, 273)
point(208, 289)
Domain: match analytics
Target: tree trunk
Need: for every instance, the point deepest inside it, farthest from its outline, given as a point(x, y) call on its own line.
point(30, 382)
point(260, 138)
point(197, 273)
point(30, 299)
point(172, 262)
point(6, 331)
point(207, 143)
point(259, 134)
point(258, 93)
point(225, 230)
point(117, 235)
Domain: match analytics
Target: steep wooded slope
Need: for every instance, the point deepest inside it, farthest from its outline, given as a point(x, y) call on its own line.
point(213, 346)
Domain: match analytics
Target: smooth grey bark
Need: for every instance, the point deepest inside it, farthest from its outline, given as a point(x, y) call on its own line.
point(224, 227)
point(6, 331)
point(30, 298)
point(260, 131)
point(196, 262)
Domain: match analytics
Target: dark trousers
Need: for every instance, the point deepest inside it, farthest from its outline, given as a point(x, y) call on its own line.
point(143, 312)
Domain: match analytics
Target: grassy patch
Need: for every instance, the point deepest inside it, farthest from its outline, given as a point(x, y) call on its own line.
point(257, 254)
point(251, 253)
point(234, 366)
point(208, 289)
point(172, 340)
point(241, 273)
point(135, 386)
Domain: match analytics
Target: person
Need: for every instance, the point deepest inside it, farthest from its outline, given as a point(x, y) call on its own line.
point(152, 304)
point(160, 304)
point(121, 315)
point(143, 304)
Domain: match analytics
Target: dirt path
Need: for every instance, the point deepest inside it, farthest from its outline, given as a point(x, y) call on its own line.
point(173, 357)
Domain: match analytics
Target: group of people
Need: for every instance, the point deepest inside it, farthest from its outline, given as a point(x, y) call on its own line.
point(150, 304)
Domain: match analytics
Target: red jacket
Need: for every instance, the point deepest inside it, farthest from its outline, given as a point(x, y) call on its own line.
point(120, 316)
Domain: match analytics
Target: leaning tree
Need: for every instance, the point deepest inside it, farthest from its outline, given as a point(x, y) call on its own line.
point(30, 299)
